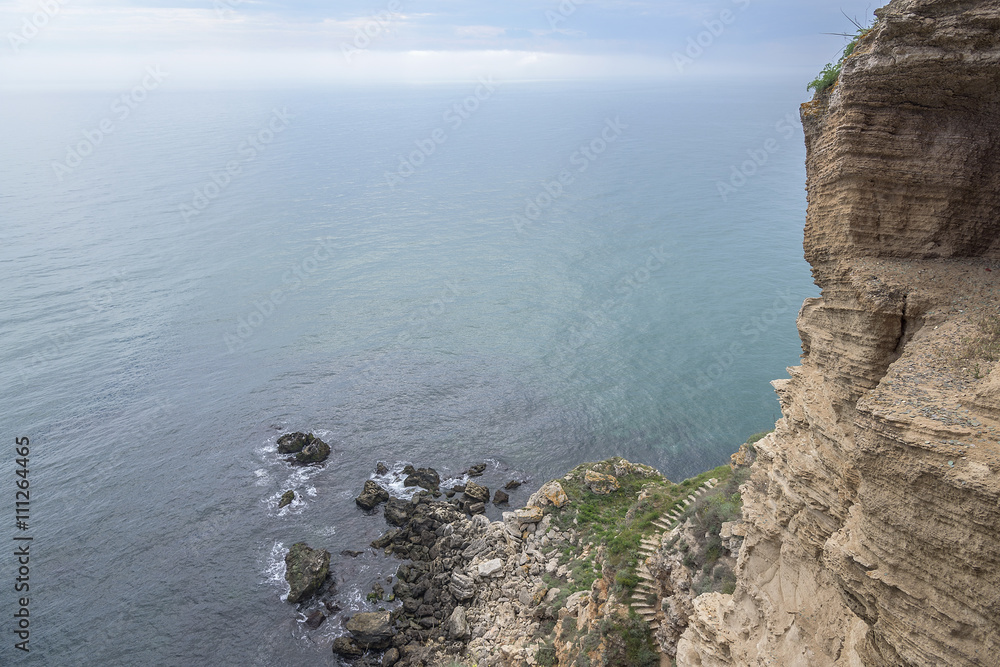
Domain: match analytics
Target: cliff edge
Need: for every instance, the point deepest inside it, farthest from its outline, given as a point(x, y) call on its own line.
point(872, 516)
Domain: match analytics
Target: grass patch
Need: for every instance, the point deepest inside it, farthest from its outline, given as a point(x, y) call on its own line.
point(829, 75)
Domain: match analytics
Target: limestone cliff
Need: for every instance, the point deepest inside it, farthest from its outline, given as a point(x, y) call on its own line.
point(872, 517)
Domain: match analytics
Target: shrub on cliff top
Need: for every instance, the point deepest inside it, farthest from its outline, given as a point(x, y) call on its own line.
point(831, 72)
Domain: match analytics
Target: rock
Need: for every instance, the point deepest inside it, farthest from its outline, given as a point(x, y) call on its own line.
point(386, 539)
point(390, 657)
point(477, 493)
point(305, 570)
point(372, 629)
point(371, 496)
point(315, 619)
point(316, 451)
point(476, 508)
point(286, 499)
point(600, 483)
point(462, 586)
point(347, 647)
point(500, 498)
point(511, 485)
point(381, 469)
point(426, 478)
point(527, 515)
point(490, 567)
point(551, 493)
point(398, 512)
point(291, 443)
point(457, 624)
point(476, 470)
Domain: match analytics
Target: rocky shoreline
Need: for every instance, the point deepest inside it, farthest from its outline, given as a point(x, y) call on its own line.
point(570, 578)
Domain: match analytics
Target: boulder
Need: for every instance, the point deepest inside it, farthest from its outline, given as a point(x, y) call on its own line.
point(511, 485)
point(500, 498)
point(315, 619)
point(371, 629)
point(286, 499)
point(477, 493)
point(371, 496)
point(551, 493)
point(390, 657)
point(398, 512)
point(457, 624)
point(426, 478)
point(316, 451)
point(381, 469)
point(600, 483)
point(305, 570)
point(528, 515)
point(476, 470)
point(291, 443)
point(490, 567)
point(462, 586)
point(347, 647)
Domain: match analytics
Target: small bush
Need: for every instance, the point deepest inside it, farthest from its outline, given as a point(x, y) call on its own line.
point(828, 77)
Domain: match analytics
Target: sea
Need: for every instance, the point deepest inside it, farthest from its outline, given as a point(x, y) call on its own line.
point(528, 275)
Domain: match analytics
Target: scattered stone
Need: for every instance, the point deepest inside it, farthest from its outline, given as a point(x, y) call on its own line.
point(305, 570)
point(286, 499)
point(490, 567)
point(600, 483)
point(500, 498)
point(457, 624)
point(476, 470)
point(462, 586)
point(371, 496)
point(372, 629)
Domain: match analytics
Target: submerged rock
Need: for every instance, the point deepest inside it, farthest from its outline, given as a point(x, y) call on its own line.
point(305, 570)
point(347, 647)
point(426, 478)
point(511, 485)
point(381, 469)
point(500, 498)
point(371, 496)
point(306, 447)
point(286, 499)
point(476, 470)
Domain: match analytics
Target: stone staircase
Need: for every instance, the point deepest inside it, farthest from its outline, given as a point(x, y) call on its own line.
point(644, 600)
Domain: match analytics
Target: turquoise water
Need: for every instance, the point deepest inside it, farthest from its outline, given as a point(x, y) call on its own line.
point(544, 275)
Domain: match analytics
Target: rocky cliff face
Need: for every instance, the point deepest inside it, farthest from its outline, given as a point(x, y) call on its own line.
point(872, 517)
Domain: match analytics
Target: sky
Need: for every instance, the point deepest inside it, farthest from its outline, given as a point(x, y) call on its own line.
point(57, 44)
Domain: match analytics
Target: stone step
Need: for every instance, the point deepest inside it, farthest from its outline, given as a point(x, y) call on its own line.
point(645, 575)
point(646, 587)
point(644, 609)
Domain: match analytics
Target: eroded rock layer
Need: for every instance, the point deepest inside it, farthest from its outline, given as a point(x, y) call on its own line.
point(872, 517)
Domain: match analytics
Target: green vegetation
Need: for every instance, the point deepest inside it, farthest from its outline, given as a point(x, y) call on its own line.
point(618, 522)
point(828, 77)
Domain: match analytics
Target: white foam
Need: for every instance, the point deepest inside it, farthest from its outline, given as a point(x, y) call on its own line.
point(274, 569)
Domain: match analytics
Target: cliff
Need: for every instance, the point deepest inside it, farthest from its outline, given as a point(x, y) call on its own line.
point(872, 516)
